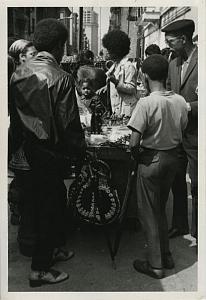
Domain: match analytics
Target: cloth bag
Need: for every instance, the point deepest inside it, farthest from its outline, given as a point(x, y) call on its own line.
point(91, 196)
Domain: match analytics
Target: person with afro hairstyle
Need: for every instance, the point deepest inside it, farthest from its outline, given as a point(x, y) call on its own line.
point(48, 119)
point(122, 75)
point(158, 122)
point(152, 49)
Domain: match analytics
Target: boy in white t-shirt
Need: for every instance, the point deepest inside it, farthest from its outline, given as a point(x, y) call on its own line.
point(157, 123)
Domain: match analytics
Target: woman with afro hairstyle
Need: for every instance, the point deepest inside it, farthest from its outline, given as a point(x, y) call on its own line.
point(122, 75)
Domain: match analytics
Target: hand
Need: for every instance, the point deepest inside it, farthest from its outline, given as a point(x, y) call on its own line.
point(101, 90)
point(134, 153)
point(113, 79)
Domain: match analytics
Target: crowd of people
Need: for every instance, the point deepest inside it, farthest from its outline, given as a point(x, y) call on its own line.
point(49, 104)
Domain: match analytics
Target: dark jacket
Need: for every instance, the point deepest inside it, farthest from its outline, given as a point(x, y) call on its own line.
point(188, 90)
point(45, 116)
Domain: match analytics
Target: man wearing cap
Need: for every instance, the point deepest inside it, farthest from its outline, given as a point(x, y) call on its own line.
point(183, 79)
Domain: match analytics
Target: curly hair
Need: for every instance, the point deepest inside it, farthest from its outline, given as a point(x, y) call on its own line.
point(116, 42)
point(156, 66)
point(48, 33)
point(152, 49)
point(97, 76)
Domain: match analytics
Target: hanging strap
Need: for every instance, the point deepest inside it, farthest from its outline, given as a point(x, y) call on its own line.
point(125, 204)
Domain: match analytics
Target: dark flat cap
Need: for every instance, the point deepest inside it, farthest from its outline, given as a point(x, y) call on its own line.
point(180, 26)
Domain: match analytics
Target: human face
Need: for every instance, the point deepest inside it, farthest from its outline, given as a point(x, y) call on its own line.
point(113, 56)
point(175, 43)
point(29, 54)
point(86, 90)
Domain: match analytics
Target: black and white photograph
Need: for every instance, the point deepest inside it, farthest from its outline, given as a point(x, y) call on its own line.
point(102, 150)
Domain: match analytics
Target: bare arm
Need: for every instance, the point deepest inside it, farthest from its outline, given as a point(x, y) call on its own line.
point(135, 143)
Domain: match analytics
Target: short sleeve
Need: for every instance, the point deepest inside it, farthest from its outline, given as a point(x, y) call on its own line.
point(139, 118)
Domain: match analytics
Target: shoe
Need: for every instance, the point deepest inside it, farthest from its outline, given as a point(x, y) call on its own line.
point(168, 262)
point(174, 232)
point(38, 278)
point(145, 268)
point(62, 255)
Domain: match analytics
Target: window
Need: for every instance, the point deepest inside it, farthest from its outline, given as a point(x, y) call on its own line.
point(61, 15)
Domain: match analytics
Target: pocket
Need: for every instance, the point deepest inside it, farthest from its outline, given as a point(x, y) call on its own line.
point(149, 156)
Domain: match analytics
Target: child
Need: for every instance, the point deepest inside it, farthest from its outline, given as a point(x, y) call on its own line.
point(158, 121)
point(90, 102)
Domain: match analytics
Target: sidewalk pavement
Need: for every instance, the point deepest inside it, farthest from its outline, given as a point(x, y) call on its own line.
point(91, 268)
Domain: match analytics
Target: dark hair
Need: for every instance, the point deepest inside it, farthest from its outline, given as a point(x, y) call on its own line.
point(18, 47)
point(117, 42)
point(97, 76)
point(48, 33)
point(86, 57)
point(87, 80)
point(156, 67)
point(88, 54)
point(152, 49)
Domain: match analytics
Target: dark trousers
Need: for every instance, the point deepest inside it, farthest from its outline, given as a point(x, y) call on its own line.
point(186, 155)
point(192, 155)
point(179, 190)
point(49, 208)
point(26, 231)
point(156, 171)
point(50, 219)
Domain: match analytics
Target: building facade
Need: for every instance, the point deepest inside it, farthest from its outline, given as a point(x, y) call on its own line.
point(90, 24)
point(144, 24)
point(22, 20)
point(153, 19)
point(65, 16)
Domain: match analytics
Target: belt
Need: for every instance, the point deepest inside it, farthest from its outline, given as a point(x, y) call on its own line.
point(158, 150)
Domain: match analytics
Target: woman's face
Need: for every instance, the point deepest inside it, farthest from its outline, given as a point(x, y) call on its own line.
point(112, 55)
point(30, 53)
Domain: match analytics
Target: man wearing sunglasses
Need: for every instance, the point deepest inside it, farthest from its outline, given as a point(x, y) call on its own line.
point(183, 79)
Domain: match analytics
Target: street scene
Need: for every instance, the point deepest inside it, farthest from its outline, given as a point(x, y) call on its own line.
point(103, 149)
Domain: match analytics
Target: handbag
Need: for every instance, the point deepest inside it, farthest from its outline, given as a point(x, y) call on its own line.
point(91, 195)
